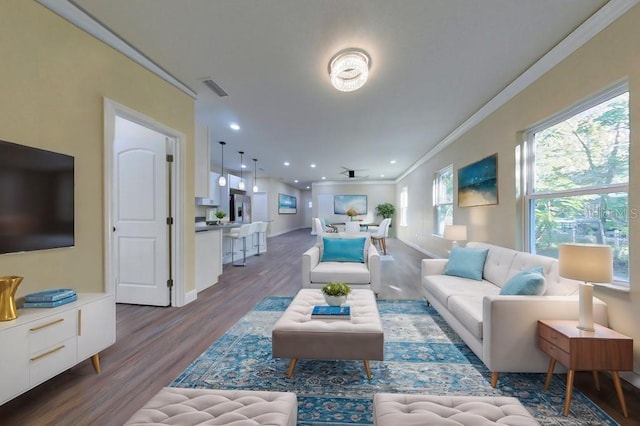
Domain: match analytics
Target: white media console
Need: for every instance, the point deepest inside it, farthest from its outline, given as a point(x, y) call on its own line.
point(42, 343)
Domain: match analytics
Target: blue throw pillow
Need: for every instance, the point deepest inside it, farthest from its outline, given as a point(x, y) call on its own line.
point(343, 250)
point(529, 282)
point(466, 262)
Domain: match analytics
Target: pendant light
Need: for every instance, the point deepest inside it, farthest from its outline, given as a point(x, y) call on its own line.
point(255, 175)
point(241, 183)
point(222, 181)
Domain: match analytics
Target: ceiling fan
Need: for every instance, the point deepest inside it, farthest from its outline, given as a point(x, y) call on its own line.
point(351, 173)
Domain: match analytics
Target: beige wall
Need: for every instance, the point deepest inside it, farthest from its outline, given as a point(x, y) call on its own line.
point(282, 223)
point(53, 80)
point(610, 57)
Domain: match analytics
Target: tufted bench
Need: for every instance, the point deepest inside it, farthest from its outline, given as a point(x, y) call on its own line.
point(187, 407)
point(391, 409)
point(297, 336)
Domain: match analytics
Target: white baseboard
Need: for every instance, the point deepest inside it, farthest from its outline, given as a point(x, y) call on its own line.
point(632, 377)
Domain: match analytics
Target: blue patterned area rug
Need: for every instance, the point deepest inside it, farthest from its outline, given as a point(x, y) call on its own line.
point(422, 355)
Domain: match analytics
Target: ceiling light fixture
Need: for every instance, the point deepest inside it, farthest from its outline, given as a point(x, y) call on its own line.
point(255, 175)
point(241, 183)
point(349, 69)
point(234, 126)
point(222, 181)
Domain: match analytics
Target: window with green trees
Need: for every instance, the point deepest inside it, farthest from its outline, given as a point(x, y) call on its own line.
point(577, 181)
point(443, 199)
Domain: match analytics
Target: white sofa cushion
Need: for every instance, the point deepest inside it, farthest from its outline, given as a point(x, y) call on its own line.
point(442, 287)
point(497, 264)
point(350, 272)
point(468, 310)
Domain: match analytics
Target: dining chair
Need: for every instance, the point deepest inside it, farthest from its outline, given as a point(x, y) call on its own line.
point(381, 234)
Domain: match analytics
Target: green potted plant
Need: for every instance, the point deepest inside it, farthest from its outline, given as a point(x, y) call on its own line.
point(336, 292)
point(220, 215)
point(385, 210)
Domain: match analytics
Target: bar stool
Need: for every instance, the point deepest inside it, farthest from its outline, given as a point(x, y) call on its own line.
point(243, 232)
point(262, 230)
point(255, 226)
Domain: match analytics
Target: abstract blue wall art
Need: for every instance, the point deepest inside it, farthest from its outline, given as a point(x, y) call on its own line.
point(287, 204)
point(478, 183)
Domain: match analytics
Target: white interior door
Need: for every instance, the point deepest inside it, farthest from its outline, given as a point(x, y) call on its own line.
point(260, 207)
point(140, 210)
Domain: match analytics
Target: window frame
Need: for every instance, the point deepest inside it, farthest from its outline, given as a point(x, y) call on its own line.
point(404, 206)
point(529, 168)
point(437, 183)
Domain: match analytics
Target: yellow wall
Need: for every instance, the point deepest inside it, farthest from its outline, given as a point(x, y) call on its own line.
point(611, 56)
point(53, 78)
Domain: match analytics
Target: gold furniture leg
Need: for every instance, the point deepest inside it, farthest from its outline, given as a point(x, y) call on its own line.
point(292, 366)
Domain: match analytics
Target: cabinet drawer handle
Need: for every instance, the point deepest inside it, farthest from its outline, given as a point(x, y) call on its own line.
point(79, 322)
point(35, 358)
point(40, 327)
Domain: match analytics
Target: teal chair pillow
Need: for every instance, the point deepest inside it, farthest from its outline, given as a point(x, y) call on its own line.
point(343, 250)
point(466, 262)
point(529, 282)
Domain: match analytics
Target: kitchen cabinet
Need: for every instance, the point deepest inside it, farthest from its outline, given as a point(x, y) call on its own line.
point(202, 152)
point(208, 254)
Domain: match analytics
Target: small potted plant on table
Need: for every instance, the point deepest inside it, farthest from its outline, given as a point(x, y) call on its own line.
point(335, 293)
point(220, 215)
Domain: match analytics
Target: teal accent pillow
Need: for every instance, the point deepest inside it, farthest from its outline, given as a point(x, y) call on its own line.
point(466, 263)
point(343, 250)
point(529, 282)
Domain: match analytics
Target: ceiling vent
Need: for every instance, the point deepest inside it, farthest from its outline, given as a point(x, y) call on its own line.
point(214, 87)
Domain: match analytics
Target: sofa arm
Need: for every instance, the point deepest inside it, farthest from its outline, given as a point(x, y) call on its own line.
point(373, 262)
point(310, 260)
point(510, 329)
point(433, 266)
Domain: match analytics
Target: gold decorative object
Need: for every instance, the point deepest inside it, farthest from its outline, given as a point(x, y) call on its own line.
point(8, 287)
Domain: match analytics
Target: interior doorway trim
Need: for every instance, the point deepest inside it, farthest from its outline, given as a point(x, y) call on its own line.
point(112, 110)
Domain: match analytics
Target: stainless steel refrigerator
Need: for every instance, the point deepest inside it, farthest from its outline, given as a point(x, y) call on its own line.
point(239, 207)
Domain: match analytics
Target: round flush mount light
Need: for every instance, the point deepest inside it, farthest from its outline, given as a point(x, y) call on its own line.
point(349, 69)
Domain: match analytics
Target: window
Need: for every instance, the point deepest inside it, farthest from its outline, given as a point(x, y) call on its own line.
point(443, 199)
point(404, 205)
point(578, 180)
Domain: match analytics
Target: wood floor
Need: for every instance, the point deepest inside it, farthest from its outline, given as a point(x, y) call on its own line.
point(154, 345)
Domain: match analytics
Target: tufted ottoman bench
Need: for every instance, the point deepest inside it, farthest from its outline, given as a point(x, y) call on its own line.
point(298, 336)
point(187, 407)
point(393, 409)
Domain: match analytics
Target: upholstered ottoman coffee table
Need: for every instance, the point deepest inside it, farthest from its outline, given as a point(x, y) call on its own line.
point(186, 407)
point(297, 336)
point(392, 409)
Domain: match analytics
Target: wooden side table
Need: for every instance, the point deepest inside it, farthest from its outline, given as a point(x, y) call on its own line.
point(579, 350)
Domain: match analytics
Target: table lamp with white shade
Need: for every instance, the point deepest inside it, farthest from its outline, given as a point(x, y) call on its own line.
point(455, 233)
point(589, 263)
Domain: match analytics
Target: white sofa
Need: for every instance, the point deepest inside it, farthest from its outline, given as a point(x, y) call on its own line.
point(358, 275)
point(502, 330)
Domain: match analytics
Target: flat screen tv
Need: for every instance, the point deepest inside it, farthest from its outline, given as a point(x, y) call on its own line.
point(36, 199)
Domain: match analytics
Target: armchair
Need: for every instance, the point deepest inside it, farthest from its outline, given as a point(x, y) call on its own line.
point(366, 275)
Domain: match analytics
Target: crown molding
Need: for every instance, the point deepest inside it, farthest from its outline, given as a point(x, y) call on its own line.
point(585, 32)
point(73, 13)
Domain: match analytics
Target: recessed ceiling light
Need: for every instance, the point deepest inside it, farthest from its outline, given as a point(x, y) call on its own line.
point(323, 178)
point(313, 166)
point(295, 180)
point(381, 175)
point(308, 187)
point(393, 161)
point(234, 126)
point(286, 163)
point(244, 166)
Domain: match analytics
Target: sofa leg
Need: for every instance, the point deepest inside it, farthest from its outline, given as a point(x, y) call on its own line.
point(494, 378)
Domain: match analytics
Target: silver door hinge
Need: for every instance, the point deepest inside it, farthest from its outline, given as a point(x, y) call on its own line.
point(170, 283)
point(169, 221)
point(169, 158)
